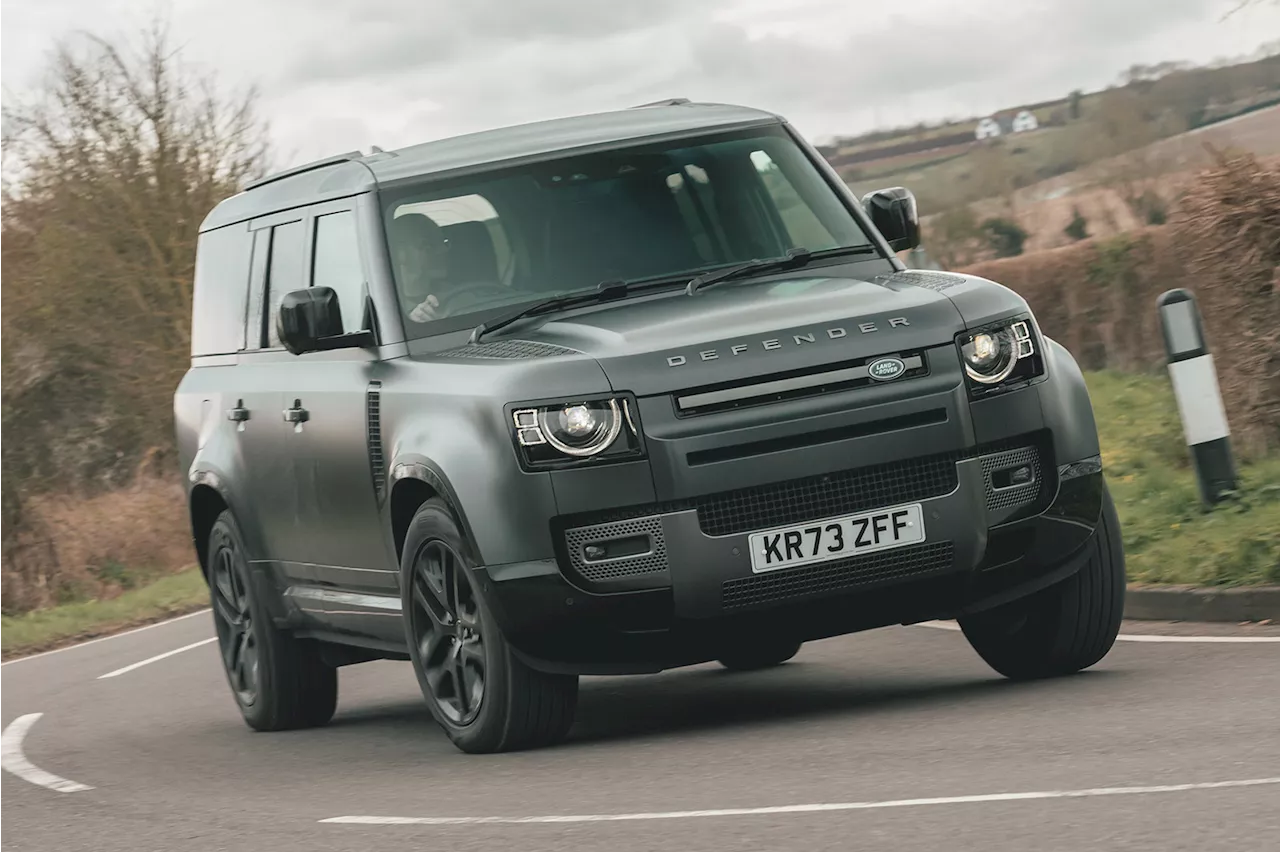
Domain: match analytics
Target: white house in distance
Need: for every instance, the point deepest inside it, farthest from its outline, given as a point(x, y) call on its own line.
point(987, 129)
point(991, 126)
point(1025, 120)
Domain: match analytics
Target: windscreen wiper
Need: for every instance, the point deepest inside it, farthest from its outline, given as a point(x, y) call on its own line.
point(793, 259)
point(605, 291)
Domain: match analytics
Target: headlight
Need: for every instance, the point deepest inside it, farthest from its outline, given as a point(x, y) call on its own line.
point(1000, 352)
point(550, 435)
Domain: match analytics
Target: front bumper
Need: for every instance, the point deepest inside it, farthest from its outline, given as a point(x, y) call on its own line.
point(680, 589)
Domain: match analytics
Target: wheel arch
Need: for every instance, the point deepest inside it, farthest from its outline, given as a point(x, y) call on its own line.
point(414, 482)
point(208, 497)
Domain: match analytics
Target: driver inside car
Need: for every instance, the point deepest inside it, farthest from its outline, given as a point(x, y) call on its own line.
point(421, 256)
point(430, 287)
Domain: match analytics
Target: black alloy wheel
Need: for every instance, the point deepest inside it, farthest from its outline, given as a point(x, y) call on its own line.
point(479, 690)
point(233, 620)
point(448, 629)
point(280, 682)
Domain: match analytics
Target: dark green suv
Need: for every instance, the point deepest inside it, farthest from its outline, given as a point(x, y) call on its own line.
point(613, 394)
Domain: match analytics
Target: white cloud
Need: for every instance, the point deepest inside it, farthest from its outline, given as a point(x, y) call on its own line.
point(341, 75)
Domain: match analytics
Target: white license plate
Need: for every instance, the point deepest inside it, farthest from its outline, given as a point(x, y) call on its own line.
point(836, 538)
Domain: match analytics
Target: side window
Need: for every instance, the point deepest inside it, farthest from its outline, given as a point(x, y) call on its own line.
point(335, 263)
point(220, 290)
point(284, 271)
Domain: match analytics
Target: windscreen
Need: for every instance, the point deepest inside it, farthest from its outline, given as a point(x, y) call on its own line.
point(468, 248)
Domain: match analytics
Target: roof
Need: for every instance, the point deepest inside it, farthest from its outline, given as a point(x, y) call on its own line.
point(349, 174)
point(554, 136)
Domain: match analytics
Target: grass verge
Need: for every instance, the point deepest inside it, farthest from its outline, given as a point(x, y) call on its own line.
point(1168, 537)
point(43, 629)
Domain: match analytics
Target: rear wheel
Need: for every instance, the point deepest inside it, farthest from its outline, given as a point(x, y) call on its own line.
point(761, 655)
point(478, 690)
point(279, 682)
point(1066, 627)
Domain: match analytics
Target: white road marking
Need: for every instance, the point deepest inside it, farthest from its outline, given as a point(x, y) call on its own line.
point(105, 638)
point(16, 762)
point(797, 809)
point(158, 657)
point(1145, 637)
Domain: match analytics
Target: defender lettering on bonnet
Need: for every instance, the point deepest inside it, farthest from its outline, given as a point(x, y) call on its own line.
point(775, 343)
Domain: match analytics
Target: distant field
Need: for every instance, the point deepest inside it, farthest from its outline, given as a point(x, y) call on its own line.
point(1045, 207)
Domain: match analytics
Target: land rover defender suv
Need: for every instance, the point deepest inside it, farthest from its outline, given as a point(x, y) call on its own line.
point(613, 394)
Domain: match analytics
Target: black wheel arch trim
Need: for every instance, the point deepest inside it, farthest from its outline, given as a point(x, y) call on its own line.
point(211, 478)
point(424, 470)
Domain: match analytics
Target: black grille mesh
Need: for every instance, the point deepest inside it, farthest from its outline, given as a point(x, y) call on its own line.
point(1018, 495)
point(798, 500)
point(827, 495)
point(506, 349)
point(836, 576)
point(643, 563)
point(929, 280)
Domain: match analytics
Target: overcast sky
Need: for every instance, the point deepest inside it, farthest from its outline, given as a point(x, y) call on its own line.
point(343, 74)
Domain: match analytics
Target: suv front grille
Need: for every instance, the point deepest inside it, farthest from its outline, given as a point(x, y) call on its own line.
point(857, 571)
point(798, 500)
point(848, 491)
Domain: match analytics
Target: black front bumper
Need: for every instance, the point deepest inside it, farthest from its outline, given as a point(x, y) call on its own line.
point(706, 598)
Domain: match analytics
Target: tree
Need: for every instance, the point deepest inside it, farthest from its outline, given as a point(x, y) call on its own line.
point(110, 168)
point(1073, 104)
point(1005, 237)
point(1078, 228)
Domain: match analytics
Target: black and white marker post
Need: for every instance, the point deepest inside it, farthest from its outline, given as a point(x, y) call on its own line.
point(1195, 386)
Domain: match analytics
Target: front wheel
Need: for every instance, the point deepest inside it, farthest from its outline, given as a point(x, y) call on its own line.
point(1066, 627)
point(486, 698)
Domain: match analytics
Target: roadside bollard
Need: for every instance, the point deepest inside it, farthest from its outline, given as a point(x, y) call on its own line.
point(1195, 386)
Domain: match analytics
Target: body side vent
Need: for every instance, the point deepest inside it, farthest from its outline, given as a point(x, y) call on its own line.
point(373, 433)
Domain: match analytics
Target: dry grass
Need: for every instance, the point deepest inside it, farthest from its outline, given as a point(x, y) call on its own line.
point(93, 548)
point(1169, 167)
point(1097, 297)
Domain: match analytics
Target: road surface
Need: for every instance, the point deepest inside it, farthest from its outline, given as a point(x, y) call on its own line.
point(894, 739)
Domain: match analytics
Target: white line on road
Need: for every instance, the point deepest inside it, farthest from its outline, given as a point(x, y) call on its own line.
point(1145, 637)
point(158, 657)
point(105, 638)
point(797, 809)
point(16, 762)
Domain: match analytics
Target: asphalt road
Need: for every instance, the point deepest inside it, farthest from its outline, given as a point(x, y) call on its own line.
point(871, 724)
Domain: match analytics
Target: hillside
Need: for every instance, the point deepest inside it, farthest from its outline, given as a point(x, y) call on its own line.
point(947, 165)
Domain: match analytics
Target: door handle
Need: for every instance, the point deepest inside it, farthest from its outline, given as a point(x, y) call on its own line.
point(297, 414)
point(239, 414)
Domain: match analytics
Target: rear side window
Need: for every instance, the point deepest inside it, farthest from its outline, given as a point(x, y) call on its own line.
point(336, 264)
point(220, 290)
point(285, 271)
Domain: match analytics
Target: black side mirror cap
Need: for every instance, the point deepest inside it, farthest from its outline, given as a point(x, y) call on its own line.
point(893, 212)
point(310, 320)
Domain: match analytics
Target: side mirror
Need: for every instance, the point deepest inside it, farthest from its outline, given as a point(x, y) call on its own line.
point(893, 212)
point(310, 320)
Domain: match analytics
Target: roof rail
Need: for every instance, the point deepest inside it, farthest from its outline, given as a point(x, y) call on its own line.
point(305, 167)
point(663, 102)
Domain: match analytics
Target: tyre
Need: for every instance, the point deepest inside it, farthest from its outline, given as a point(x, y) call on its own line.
point(759, 656)
point(1066, 627)
point(279, 682)
point(486, 699)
